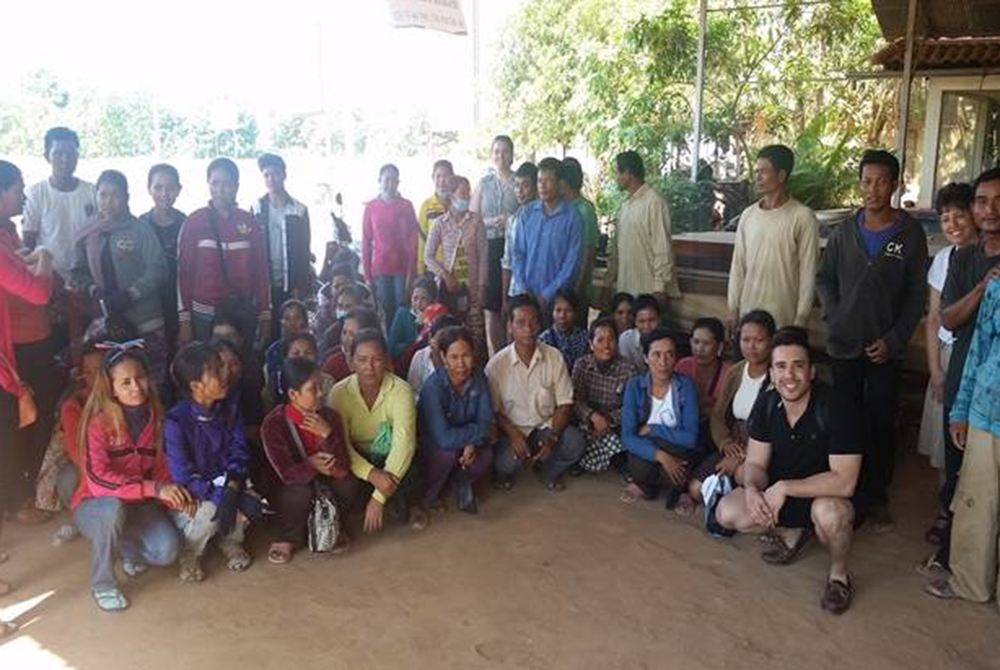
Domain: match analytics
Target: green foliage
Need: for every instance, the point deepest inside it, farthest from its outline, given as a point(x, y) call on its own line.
point(690, 202)
point(619, 75)
point(824, 176)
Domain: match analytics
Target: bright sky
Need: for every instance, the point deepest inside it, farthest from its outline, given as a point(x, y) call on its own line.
point(282, 56)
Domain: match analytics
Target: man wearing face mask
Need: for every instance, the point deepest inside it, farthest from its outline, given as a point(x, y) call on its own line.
point(389, 242)
point(433, 207)
point(459, 238)
point(548, 241)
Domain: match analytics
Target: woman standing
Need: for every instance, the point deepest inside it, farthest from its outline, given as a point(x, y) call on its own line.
point(462, 270)
point(27, 278)
point(495, 200)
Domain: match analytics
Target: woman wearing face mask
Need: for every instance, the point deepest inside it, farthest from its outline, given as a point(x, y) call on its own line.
point(462, 270)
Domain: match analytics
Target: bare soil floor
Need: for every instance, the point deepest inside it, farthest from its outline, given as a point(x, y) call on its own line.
point(537, 580)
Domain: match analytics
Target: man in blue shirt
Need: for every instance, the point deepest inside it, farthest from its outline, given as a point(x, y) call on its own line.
point(548, 242)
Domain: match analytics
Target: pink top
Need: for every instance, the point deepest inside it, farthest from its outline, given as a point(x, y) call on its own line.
point(708, 389)
point(389, 238)
point(15, 280)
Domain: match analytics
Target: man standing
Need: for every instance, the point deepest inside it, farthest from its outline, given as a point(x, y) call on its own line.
point(777, 248)
point(532, 398)
point(871, 283)
point(389, 243)
point(526, 188)
point(285, 224)
point(433, 207)
point(643, 256)
point(970, 272)
point(571, 188)
point(975, 427)
point(801, 468)
point(56, 209)
point(548, 241)
point(222, 264)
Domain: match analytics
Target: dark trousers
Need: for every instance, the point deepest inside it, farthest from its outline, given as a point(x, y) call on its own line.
point(294, 502)
point(278, 298)
point(651, 478)
point(11, 486)
point(875, 391)
point(952, 466)
point(409, 493)
point(36, 364)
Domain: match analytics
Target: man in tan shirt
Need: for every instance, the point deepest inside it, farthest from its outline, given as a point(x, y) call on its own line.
point(777, 248)
point(532, 398)
point(642, 259)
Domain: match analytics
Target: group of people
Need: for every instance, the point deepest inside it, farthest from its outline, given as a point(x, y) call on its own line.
point(217, 380)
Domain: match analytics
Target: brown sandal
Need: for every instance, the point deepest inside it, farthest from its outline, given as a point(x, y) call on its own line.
point(837, 596)
point(782, 554)
point(280, 552)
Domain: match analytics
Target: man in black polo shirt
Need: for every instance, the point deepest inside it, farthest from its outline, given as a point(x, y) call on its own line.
point(801, 468)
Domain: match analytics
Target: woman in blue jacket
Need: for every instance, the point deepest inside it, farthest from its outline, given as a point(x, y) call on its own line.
point(207, 451)
point(660, 426)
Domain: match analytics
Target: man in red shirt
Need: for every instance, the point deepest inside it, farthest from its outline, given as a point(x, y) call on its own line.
point(389, 242)
point(222, 263)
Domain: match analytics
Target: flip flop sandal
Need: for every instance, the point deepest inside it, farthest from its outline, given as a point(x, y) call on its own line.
point(556, 486)
point(280, 552)
point(112, 600)
point(837, 596)
point(133, 568)
point(191, 570)
point(419, 519)
point(935, 534)
point(237, 558)
point(631, 494)
point(686, 506)
point(782, 554)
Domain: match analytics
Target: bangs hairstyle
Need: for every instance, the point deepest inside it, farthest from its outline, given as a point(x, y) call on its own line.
point(452, 334)
point(220, 344)
point(958, 196)
point(296, 304)
point(618, 298)
point(271, 161)
point(369, 335)
point(603, 322)
point(295, 372)
point(780, 157)
point(527, 170)
point(712, 325)
point(102, 403)
point(192, 362)
point(880, 157)
point(646, 301)
point(227, 166)
point(656, 335)
point(428, 286)
point(443, 164)
point(116, 179)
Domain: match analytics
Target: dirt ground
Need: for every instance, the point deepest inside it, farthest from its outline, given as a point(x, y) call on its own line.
point(537, 580)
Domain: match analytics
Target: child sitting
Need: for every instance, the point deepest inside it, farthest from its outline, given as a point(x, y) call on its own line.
point(207, 454)
point(406, 323)
point(294, 320)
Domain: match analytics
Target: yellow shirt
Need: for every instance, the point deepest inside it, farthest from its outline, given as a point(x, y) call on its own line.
point(643, 254)
point(393, 409)
point(431, 208)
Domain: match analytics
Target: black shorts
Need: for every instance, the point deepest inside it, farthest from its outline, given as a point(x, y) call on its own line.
point(797, 513)
point(493, 292)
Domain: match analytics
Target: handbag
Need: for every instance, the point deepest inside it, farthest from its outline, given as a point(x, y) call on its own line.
point(236, 306)
point(27, 410)
point(323, 524)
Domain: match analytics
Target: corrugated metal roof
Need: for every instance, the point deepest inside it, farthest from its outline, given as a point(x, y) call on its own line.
point(940, 18)
point(942, 53)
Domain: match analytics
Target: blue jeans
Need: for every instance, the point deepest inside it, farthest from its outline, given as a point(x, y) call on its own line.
point(67, 479)
point(390, 290)
point(568, 450)
point(137, 531)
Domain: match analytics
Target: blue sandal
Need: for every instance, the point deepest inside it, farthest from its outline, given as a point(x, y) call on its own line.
point(111, 600)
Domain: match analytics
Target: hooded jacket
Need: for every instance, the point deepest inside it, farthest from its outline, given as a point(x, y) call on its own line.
point(866, 299)
point(204, 449)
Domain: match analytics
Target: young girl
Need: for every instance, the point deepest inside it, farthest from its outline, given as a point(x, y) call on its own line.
point(294, 320)
point(59, 476)
point(207, 454)
point(121, 508)
point(621, 311)
point(565, 335)
point(314, 456)
point(406, 323)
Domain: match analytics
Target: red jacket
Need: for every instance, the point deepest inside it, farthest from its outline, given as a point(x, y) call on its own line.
point(284, 455)
point(201, 286)
point(389, 238)
point(118, 468)
point(15, 280)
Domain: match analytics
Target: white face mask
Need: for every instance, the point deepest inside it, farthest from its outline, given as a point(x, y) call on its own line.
point(340, 313)
point(460, 205)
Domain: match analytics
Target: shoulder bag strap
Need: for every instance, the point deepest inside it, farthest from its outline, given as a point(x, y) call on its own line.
point(218, 247)
point(295, 438)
